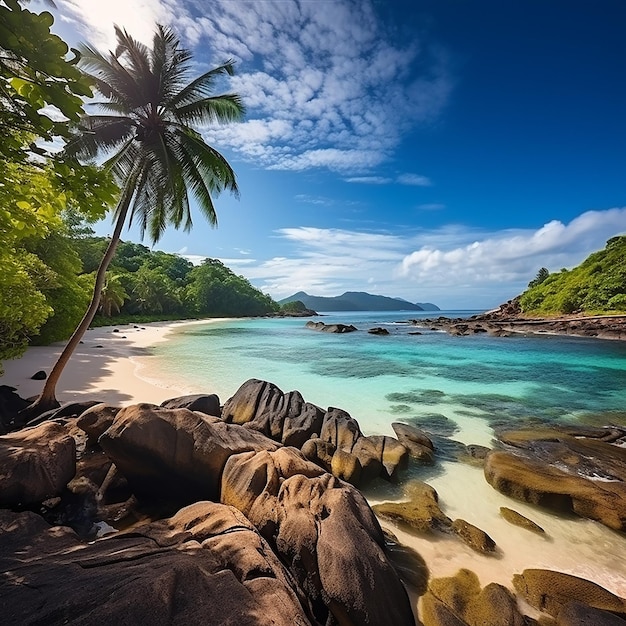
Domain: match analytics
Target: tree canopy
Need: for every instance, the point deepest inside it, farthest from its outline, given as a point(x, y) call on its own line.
point(597, 285)
point(36, 78)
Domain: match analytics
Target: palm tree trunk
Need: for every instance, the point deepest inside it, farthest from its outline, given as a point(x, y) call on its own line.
point(47, 400)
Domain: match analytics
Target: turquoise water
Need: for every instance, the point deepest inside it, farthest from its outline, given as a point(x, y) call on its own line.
point(452, 386)
point(458, 389)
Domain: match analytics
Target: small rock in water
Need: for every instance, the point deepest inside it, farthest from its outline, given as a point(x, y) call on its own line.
point(513, 517)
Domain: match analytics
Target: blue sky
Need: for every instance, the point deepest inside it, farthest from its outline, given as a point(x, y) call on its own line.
point(434, 150)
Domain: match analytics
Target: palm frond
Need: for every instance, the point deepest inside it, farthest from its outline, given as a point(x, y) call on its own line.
point(222, 109)
point(97, 133)
point(215, 169)
point(202, 86)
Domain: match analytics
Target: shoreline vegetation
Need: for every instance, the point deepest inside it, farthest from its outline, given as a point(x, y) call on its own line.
point(435, 550)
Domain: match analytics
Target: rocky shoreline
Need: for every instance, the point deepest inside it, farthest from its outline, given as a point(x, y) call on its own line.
point(250, 513)
point(508, 321)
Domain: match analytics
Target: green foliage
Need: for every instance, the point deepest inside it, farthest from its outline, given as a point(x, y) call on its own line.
point(40, 291)
point(113, 295)
point(542, 274)
point(214, 290)
point(65, 291)
point(597, 285)
point(295, 306)
point(158, 285)
point(146, 130)
point(152, 291)
point(35, 73)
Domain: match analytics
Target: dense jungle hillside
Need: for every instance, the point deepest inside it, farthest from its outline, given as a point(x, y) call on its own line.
point(596, 286)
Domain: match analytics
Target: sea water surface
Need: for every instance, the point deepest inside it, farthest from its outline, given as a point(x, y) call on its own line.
point(457, 388)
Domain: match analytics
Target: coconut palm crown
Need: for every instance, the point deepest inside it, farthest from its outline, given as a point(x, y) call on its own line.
point(146, 133)
point(157, 157)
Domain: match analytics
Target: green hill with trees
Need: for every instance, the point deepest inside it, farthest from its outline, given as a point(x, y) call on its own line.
point(596, 286)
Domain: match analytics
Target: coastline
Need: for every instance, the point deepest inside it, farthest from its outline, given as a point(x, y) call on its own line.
point(112, 374)
point(610, 327)
point(105, 367)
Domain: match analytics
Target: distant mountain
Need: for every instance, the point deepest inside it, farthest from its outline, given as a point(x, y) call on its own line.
point(357, 301)
point(428, 306)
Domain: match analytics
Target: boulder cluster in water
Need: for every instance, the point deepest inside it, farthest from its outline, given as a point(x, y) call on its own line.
point(249, 513)
point(508, 320)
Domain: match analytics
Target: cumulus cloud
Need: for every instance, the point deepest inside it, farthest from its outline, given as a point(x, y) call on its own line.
point(512, 256)
point(453, 266)
point(326, 86)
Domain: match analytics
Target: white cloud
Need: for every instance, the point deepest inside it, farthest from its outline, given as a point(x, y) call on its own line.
point(326, 85)
point(512, 256)
point(369, 180)
point(95, 20)
point(415, 180)
point(453, 266)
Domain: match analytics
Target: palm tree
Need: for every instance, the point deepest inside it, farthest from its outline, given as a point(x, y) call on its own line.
point(113, 295)
point(153, 151)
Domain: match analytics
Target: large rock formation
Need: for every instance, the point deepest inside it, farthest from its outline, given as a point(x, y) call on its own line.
point(175, 453)
point(287, 418)
point(35, 464)
point(284, 417)
point(558, 470)
point(205, 565)
point(325, 532)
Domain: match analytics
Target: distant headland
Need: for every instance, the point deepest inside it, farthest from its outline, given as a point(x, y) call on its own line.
point(357, 301)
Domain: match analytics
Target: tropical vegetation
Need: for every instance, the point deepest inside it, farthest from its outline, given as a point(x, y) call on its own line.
point(597, 285)
point(146, 132)
point(154, 163)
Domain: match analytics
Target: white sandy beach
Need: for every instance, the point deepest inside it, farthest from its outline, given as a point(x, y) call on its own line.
point(108, 366)
point(104, 367)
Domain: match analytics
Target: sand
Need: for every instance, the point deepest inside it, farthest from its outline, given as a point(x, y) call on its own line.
point(104, 367)
point(108, 367)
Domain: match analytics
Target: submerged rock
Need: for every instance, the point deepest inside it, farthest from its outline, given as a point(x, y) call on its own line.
point(331, 328)
point(560, 472)
point(459, 601)
point(551, 592)
point(420, 513)
point(378, 330)
point(513, 517)
point(474, 537)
